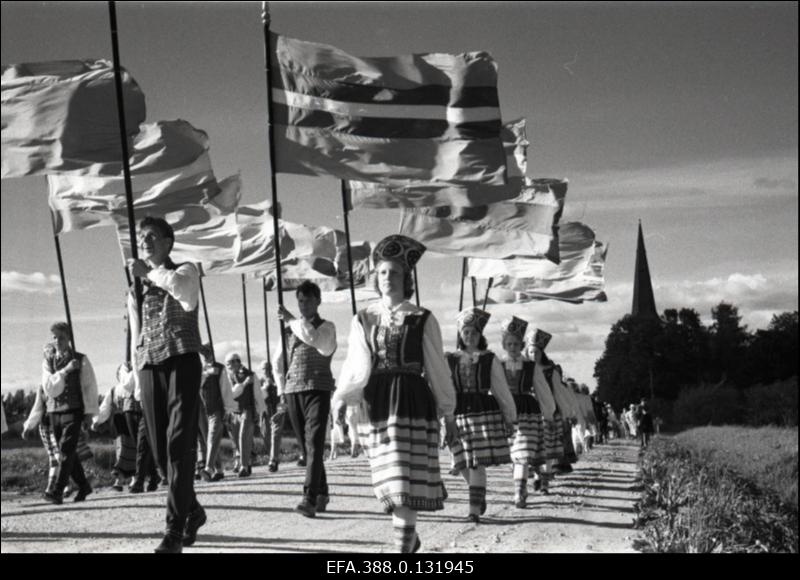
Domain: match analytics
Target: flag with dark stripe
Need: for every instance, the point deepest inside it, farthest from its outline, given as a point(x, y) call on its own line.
point(393, 120)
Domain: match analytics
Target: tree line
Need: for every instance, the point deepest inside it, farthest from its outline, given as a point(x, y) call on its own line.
point(675, 357)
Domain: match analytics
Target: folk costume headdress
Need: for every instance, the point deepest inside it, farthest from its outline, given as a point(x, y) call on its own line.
point(539, 338)
point(474, 317)
point(514, 326)
point(401, 249)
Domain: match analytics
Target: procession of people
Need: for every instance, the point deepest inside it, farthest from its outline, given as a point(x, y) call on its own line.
point(404, 395)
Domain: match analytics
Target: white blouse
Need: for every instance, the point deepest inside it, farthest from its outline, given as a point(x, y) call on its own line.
point(357, 366)
point(543, 393)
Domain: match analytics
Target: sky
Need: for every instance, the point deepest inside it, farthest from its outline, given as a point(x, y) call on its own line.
point(681, 115)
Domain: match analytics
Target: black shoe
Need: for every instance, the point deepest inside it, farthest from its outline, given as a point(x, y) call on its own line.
point(196, 519)
point(153, 484)
point(301, 462)
point(206, 476)
point(53, 497)
point(474, 518)
point(521, 503)
point(171, 544)
point(306, 508)
point(483, 507)
point(137, 488)
point(273, 466)
point(537, 484)
point(218, 476)
point(322, 502)
point(417, 545)
point(245, 472)
point(82, 493)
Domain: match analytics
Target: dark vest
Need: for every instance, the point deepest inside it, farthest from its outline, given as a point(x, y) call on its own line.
point(308, 369)
point(167, 329)
point(396, 349)
point(483, 370)
point(71, 399)
point(245, 401)
point(210, 392)
point(524, 382)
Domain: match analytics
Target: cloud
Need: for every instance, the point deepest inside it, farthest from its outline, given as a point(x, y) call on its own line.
point(720, 183)
point(35, 283)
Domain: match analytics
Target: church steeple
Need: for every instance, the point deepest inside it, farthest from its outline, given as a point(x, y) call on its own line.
point(644, 303)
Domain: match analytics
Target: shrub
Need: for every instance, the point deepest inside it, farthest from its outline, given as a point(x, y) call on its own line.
point(774, 404)
point(707, 405)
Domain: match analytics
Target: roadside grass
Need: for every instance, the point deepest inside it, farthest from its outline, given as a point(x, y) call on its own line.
point(24, 464)
point(723, 489)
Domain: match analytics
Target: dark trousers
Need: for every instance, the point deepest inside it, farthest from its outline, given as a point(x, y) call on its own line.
point(309, 412)
point(145, 466)
point(67, 430)
point(170, 395)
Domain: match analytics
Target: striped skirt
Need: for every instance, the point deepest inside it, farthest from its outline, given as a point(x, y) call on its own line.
point(481, 429)
point(554, 437)
point(527, 443)
point(399, 431)
point(125, 447)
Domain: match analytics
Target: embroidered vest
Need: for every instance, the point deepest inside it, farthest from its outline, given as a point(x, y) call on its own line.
point(396, 348)
point(167, 329)
point(245, 401)
point(521, 382)
point(71, 398)
point(209, 390)
point(480, 381)
point(308, 369)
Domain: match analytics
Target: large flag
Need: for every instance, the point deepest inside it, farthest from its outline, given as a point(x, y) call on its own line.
point(394, 120)
point(368, 195)
point(526, 226)
point(319, 254)
point(170, 174)
point(576, 243)
point(62, 116)
point(588, 286)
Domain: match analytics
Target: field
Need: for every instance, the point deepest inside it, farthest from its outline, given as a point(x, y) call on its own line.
point(720, 489)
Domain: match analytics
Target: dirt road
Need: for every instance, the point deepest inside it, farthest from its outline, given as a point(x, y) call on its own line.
point(589, 510)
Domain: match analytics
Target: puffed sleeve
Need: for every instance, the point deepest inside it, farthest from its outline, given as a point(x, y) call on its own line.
point(323, 338)
point(436, 369)
point(543, 393)
point(562, 398)
point(105, 409)
point(53, 383)
point(89, 388)
point(502, 393)
point(356, 368)
point(183, 283)
point(37, 411)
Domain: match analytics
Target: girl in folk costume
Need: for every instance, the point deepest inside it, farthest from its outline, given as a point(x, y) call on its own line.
point(396, 373)
point(112, 410)
point(527, 443)
point(553, 428)
point(566, 408)
point(485, 411)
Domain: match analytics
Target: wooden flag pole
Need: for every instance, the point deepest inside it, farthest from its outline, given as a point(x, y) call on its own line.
point(266, 317)
point(486, 297)
point(64, 287)
point(461, 294)
point(246, 325)
point(345, 212)
point(265, 18)
point(474, 292)
point(208, 322)
point(416, 285)
point(126, 168)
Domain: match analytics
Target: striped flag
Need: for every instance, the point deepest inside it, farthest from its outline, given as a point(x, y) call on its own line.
point(62, 116)
point(526, 226)
point(586, 286)
point(368, 195)
point(394, 120)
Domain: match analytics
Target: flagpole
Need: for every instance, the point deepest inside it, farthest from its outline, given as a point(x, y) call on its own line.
point(246, 325)
point(474, 291)
point(208, 322)
point(126, 169)
point(266, 316)
point(416, 286)
point(345, 211)
point(486, 297)
point(461, 294)
point(128, 320)
point(64, 287)
point(265, 18)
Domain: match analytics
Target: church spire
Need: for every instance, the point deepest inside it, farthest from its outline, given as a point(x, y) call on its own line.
point(644, 303)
